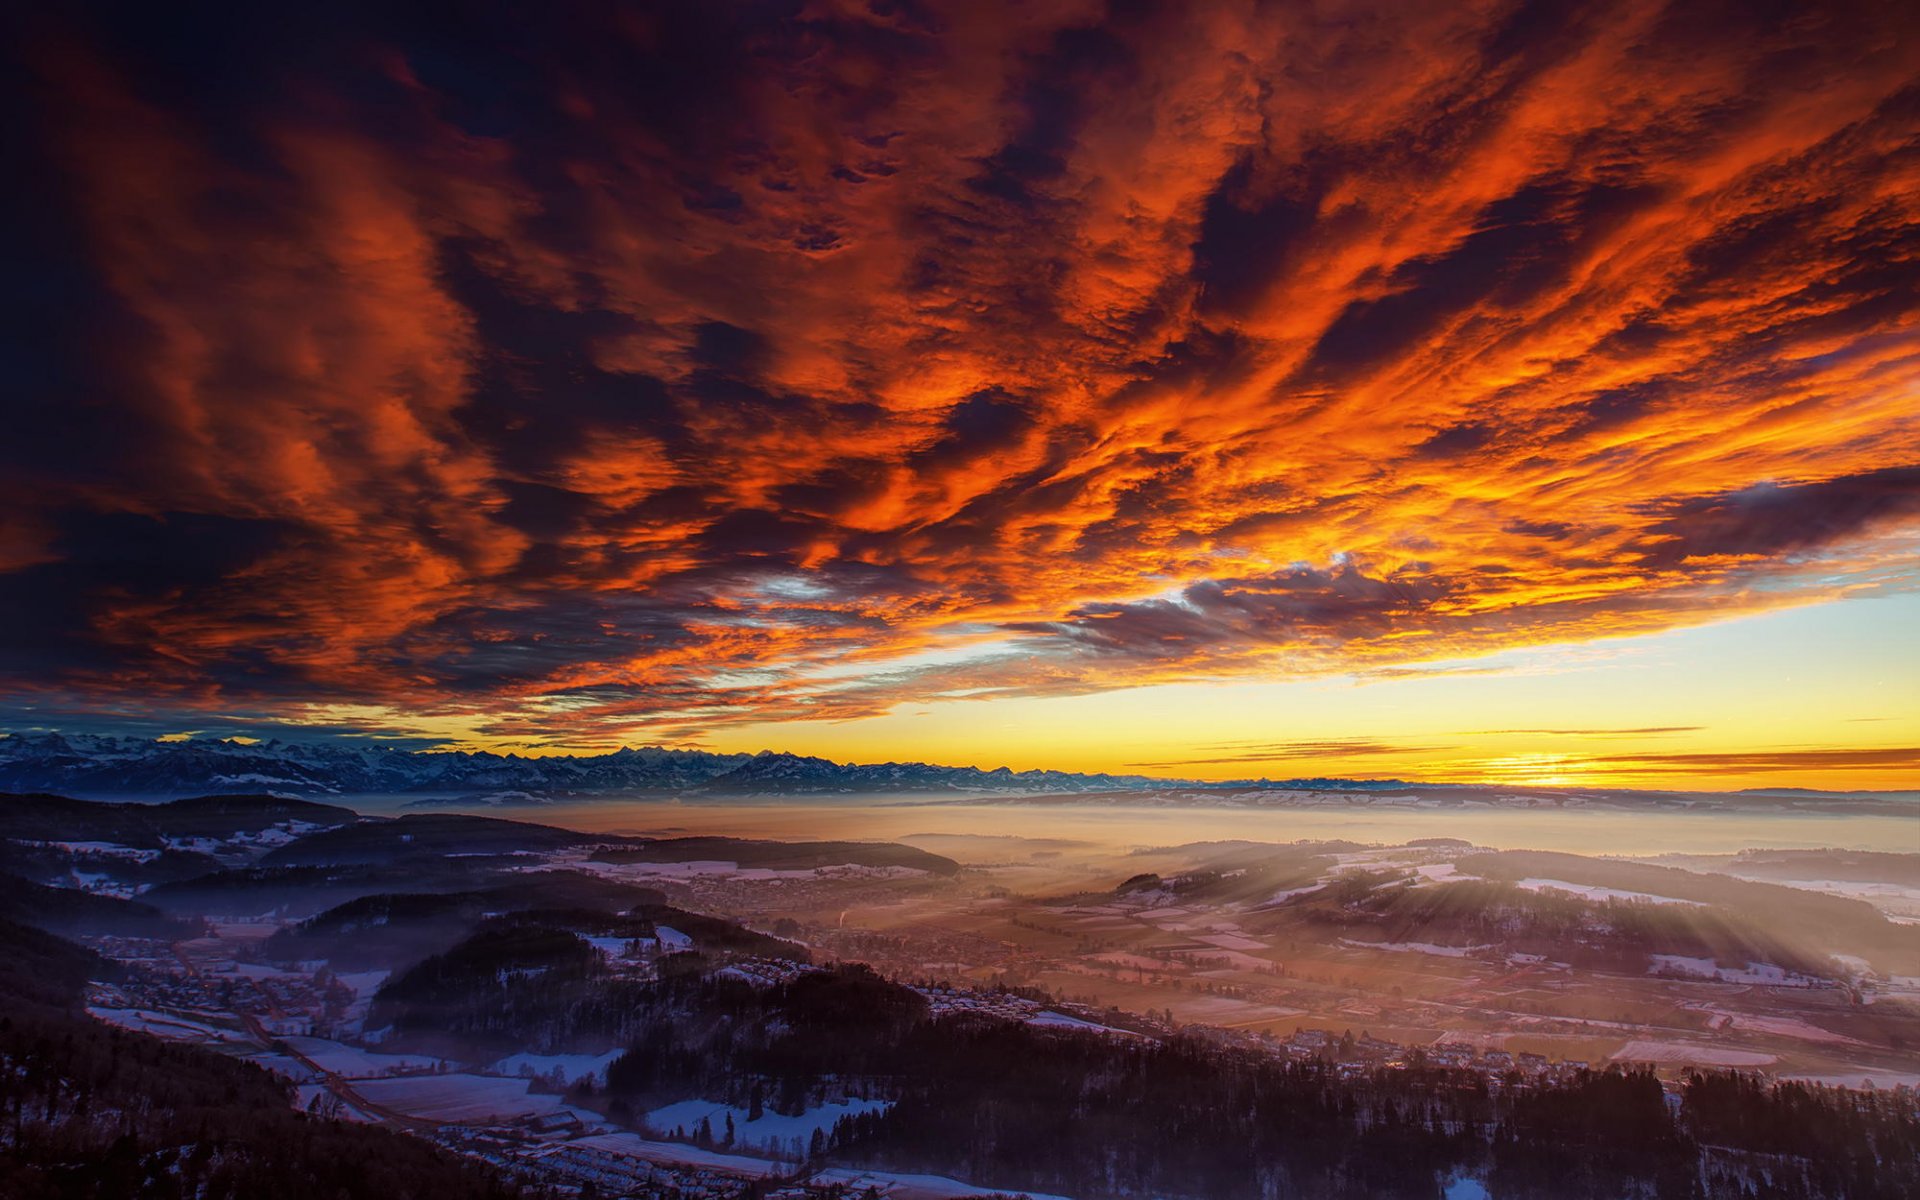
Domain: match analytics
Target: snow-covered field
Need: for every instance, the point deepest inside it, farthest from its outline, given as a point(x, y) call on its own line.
point(1420, 948)
point(1758, 973)
point(460, 1098)
point(1054, 1020)
point(573, 1066)
point(612, 947)
point(772, 1132)
point(166, 1025)
point(351, 1062)
point(1792, 1027)
point(1598, 894)
point(632, 1145)
point(1893, 897)
point(305, 1094)
point(1699, 1053)
point(97, 849)
point(897, 1186)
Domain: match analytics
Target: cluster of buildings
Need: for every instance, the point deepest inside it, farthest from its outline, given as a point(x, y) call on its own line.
point(285, 1004)
point(763, 972)
point(1354, 1056)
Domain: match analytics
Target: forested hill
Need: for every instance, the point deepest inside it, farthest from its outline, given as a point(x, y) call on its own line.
point(89, 1110)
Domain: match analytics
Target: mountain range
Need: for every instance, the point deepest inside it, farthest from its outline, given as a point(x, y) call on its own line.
point(96, 765)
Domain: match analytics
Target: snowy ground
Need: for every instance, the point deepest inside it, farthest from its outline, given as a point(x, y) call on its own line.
point(1698, 1053)
point(1791, 1027)
point(461, 1098)
point(1763, 974)
point(573, 1066)
point(1420, 948)
point(1598, 894)
point(351, 1062)
point(1054, 1020)
point(772, 1132)
point(167, 1026)
point(912, 1187)
point(632, 1145)
point(306, 1093)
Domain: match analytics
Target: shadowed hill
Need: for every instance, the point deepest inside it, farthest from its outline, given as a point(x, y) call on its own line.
point(425, 835)
point(98, 1111)
point(39, 816)
point(70, 912)
point(393, 929)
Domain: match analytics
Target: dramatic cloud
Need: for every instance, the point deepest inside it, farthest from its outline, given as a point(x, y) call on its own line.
point(586, 371)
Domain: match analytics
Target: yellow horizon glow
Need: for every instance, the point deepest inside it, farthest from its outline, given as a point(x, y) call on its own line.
point(1835, 679)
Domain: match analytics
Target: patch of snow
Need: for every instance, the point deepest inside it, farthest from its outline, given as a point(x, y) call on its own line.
point(1420, 948)
point(572, 1067)
point(166, 1025)
point(1281, 897)
point(96, 849)
point(632, 1145)
point(1054, 1020)
point(459, 1098)
point(612, 947)
point(1650, 1051)
point(1757, 973)
point(772, 1131)
point(1598, 894)
point(351, 1062)
point(897, 1186)
point(305, 1094)
point(1791, 1027)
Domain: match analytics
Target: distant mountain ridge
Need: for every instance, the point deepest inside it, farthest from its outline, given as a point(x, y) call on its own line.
point(114, 766)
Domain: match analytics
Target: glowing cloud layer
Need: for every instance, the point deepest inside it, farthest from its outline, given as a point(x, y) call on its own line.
point(596, 372)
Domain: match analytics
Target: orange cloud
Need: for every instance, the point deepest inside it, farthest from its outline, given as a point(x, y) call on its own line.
point(643, 370)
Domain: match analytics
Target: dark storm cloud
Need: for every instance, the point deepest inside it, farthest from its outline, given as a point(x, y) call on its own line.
point(1769, 520)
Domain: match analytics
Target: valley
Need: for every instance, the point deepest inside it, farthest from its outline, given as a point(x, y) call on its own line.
point(502, 988)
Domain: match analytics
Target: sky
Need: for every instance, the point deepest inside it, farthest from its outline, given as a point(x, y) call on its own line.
point(1501, 391)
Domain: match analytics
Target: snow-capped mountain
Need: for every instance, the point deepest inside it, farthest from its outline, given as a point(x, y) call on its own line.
point(95, 765)
point(792, 774)
point(90, 765)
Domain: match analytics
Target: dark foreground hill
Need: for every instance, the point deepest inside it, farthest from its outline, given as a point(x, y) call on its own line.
point(90, 1110)
point(45, 817)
